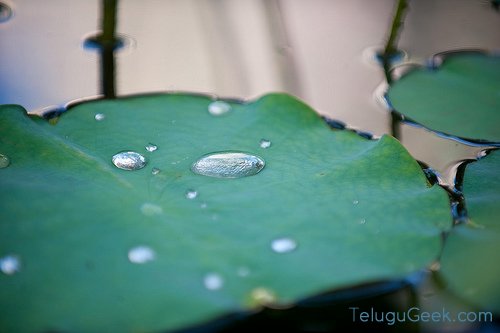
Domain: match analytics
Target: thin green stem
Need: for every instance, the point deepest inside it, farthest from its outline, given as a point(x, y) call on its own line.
point(108, 43)
point(391, 45)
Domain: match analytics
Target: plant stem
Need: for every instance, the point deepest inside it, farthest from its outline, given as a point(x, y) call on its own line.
point(391, 45)
point(108, 44)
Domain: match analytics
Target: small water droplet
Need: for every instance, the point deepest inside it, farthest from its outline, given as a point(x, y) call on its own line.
point(141, 254)
point(150, 209)
point(4, 161)
point(218, 108)
point(213, 281)
point(151, 147)
point(355, 202)
point(99, 116)
point(191, 194)
point(363, 221)
point(283, 245)
point(203, 205)
point(10, 264)
point(228, 165)
point(129, 160)
point(243, 271)
point(265, 143)
point(262, 296)
point(155, 171)
point(5, 12)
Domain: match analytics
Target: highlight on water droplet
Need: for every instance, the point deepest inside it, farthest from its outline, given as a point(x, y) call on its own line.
point(129, 160)
point(150, 209)
point(191, 194)
point(213, 281)
point(283, 245)
point(155, 171)
point(4, 161)
point(99, 116)
point(10, 264)
point(243, 271)
point(262, 296)
point(218, 108)
point(141, 254)
point(264, 143)
point(151, 147)
point(230, 164)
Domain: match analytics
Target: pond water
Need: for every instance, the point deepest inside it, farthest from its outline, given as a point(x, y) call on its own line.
point(322, 51)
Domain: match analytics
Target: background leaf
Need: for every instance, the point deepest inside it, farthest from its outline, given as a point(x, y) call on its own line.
point(471, 253)
point(460, 98)
point(358, 211)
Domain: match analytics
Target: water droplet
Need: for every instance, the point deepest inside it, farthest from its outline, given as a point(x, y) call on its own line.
point(191, 194)
point(265, 143)
point(283, 245)
point(262, 296)
point(228, 165)
point(213, 281)
point(129, 160)
point(218, 108)
point(151, 147)
point(363, 221)
point(10, 264)
point(4, 161)
point(5, 12)
point(99, 116)
point(155, 171)
point(243, 271)
point(355, 202)
point(150, 209)
point(141, 254)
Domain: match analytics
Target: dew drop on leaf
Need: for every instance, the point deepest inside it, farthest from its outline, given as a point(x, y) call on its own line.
point(213, 281)
point(228, 165)
point(283, 245)
point(129, 160)
point(4, 161)
point(10, 264)
point(218, 108)
point(141, 254)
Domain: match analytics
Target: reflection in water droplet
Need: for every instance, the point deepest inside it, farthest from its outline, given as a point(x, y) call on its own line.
point(141, 254)
point(10, 264)
point(213, 281)
point(265, 143)
point(355, 202)
point(151, 147)
point(228, 165)
point(99, 116)
point(218, 108)
point(5, 12)
point(191, 194)
point(150, 209)
point(283, 245)
point(243, 271)
point(262, 296)
point(129, 160)
point(363, 221)
point(4, 161)
point(155, 171)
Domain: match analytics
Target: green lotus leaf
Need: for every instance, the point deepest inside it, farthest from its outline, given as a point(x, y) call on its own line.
point(161, 247)
point(472, 251)
point(460, 98)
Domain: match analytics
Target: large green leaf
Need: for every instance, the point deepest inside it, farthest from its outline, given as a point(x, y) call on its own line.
point(461, 98)
point(472, 252)
point(359, 210)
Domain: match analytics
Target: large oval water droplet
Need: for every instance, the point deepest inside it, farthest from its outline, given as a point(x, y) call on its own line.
point(4, 161)
point(218, 108)
point(228, 165)
point(10, 264)
point(129, 160)
point(213, 281)
point(283, 245)
point(141, 254)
